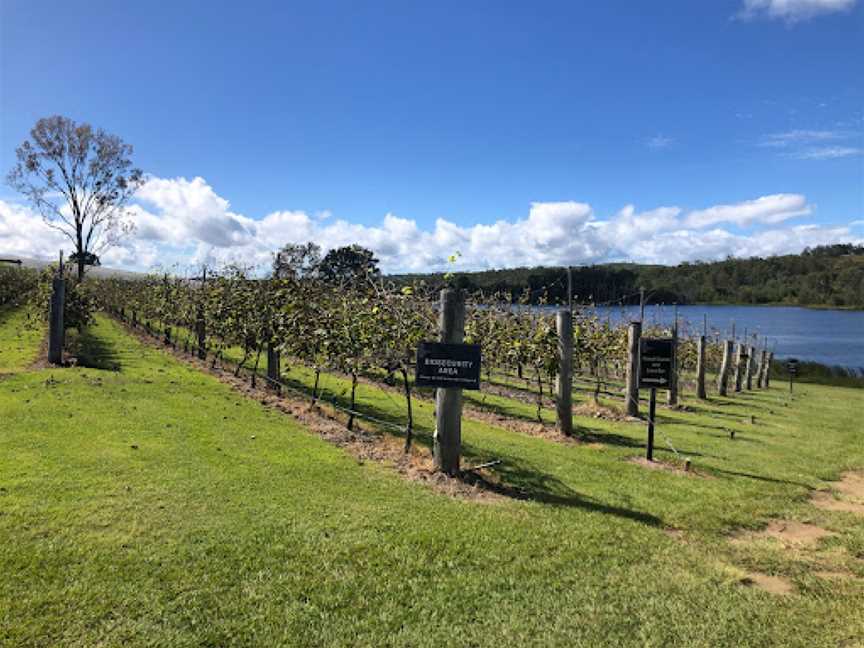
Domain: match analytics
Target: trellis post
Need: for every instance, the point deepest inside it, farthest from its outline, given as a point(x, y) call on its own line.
point(447, 440)
point(564, 379)
point(631, 396)
point(56, 330)
point(725, 367)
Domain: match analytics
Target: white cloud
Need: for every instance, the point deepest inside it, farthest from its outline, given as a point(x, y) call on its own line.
point(659, 141)
point(828, 152)
point(798, 136)
point(766, 210)
point(182, 223)
point(792, 11)
point(24, 233)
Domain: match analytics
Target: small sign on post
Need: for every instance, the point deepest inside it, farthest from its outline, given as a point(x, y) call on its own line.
point(655, 362)
point(792, 368)
point(656, 356)
point(448, 365)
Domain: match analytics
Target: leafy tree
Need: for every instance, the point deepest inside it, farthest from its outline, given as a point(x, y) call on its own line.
point(351, 264)
point(79, 180)
point(90, 259)
point(297, 261)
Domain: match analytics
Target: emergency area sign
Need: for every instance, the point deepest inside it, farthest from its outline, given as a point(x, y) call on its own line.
point(453, 366)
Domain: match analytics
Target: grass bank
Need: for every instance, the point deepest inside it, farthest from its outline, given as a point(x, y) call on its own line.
point(143, 502)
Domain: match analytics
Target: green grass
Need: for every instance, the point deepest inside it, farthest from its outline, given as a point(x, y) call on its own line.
point(202, 535)
point(18, 342)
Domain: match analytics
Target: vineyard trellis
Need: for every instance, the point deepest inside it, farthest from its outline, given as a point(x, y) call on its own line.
point(370, 329)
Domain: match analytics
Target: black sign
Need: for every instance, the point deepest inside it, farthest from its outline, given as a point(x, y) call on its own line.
point(655, 362)
point(448, 365)
point(792, 366)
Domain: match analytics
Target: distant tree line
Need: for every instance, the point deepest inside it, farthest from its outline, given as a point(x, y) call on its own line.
point(831, 275)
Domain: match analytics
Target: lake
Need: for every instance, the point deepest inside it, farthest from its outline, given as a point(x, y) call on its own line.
point(832, 337)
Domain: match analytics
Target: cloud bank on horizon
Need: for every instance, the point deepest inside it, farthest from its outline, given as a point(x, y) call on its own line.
point(183, 223)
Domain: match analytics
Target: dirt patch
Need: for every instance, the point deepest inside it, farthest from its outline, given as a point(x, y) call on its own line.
point(531, 428)
point(41, 361)
point(852, 486)
point(771, 584)
point(514, 393)
point(675, 534)
point(789, 533)
point(593, 410)
point(850, 490)
point(827, 502)
point(667, 466)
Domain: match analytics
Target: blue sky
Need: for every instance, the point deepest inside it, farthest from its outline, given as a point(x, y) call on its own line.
point(330, 118)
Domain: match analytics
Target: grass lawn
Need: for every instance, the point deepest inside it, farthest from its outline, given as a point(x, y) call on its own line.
point(143, 502)
point(18, 343)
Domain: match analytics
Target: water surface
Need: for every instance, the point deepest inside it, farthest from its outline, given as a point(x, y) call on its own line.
point(833, 337)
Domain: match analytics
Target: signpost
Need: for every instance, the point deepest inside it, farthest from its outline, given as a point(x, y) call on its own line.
point(655, 372)
point(448, 365)
point(792, 368)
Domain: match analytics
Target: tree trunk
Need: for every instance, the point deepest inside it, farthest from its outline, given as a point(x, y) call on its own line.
point(353, 393)
point(255, 368)
point(315, 386)
point(539, 397)
point(409, 431)
point(80, 251)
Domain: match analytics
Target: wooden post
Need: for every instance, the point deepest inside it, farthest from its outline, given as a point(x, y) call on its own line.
point(564, 379)
point(768, 369)
point(652, 411)
point(274, 369)
point(739, 353)
point(725, 366)
point(447, 440)
point(641, 304)
point(763, 370)
point(672, 394)
point(700, 369)
point(631, 395)
point(200, 325)
point(760, 370)
point(56, 329)
point(748, 368)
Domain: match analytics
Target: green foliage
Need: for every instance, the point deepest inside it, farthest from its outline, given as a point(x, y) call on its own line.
point(16, 283)
point(824, 276)
point(80, 301)
point(350, 265)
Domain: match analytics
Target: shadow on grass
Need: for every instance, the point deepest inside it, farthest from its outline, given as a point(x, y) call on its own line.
point(735, 473)
point(518, 478)
point(95, 352)
point(522, 481)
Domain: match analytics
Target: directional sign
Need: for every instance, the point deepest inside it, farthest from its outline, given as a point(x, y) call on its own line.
point(448, 365)
point(655, 362)
point(792, 366)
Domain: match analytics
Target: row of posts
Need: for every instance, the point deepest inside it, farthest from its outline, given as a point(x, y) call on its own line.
point(748, 363)
point(447, 440)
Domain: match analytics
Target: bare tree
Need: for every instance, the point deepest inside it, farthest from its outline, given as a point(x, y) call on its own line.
point(79, 180)
point(297, 261)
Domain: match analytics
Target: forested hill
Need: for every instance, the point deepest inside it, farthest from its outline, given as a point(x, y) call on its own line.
point(822, 276)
